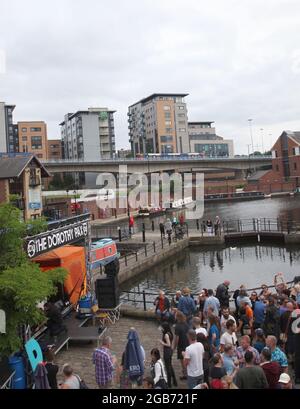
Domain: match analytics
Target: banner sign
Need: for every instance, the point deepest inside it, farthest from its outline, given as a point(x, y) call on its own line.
point(50, 240)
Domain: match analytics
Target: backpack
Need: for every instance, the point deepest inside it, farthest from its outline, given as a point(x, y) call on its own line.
point(82, 384)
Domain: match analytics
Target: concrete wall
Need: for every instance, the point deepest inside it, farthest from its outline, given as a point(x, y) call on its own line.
point(91, 138)
point(3, 146)
point(143, 264)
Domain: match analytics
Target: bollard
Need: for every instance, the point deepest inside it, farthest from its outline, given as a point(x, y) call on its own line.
point(146, 251)
point(152, 223)
point(162, 242)
point(154, 247)
point(143, 231)
point(136, 256)
point(197, 224)
point(144, 300)
point(125, 260)
point(120, 233)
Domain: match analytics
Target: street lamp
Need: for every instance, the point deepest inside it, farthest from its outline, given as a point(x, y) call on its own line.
point(250, 126)
point(75, 202)
point(262, 140)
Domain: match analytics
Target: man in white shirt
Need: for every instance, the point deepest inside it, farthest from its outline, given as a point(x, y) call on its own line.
point(198, 328)
point(193, 360)
point(229, 337)
point(224, 318)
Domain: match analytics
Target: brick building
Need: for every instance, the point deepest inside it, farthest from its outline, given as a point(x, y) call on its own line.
point(21, 175)
point(285, 173)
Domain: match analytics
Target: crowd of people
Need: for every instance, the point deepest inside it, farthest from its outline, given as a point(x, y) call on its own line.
point(254, 346)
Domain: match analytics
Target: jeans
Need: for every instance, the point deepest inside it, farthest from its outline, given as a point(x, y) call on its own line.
point(170, 371)
point(193, 381)
point(163, 315)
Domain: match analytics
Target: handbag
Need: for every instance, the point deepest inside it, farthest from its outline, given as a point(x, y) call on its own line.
point(161, 383)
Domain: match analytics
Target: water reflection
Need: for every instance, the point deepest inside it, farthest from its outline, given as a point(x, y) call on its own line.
point(250, 265)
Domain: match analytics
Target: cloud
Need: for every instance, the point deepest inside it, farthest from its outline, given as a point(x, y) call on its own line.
point(237, 60)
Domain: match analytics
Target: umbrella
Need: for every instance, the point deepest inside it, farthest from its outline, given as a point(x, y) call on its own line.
point(134, 357)
point(40, 377)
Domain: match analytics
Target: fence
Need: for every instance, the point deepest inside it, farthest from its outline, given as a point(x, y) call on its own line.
point(143, 297)
point(226, 227)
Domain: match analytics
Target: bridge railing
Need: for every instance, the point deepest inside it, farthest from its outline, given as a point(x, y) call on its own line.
point(156, 159)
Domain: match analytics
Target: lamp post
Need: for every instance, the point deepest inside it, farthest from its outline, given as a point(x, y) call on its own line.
point(67, 190)
point(250, 126)
point(75, 202)
point(262, 140)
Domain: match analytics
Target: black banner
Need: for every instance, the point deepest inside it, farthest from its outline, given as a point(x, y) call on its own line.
point(50, 240)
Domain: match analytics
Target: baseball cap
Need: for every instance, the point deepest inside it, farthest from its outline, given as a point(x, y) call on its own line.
point(259, 332)
point(284, 378)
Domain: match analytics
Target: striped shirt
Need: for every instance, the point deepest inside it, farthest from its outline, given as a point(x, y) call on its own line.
point(103, 365)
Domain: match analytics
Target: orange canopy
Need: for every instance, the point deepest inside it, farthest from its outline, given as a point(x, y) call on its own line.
point(72, 258)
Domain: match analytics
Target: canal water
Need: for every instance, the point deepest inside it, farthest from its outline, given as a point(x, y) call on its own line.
point(250, 264)
point(197, 268)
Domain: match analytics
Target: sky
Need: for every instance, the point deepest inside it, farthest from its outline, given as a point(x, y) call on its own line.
point(237, 60)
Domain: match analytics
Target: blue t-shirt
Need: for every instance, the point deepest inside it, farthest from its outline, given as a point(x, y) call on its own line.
point(228, 364)
point(259, 312)
point(259, 345)
point(214, 330)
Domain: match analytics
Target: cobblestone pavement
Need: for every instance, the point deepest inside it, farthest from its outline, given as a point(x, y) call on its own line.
point(80, 355)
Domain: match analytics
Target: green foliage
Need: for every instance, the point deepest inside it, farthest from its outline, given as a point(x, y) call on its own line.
point(22, 283)
point(36, 226)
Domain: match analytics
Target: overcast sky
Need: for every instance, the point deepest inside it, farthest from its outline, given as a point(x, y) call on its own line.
point(236, 59)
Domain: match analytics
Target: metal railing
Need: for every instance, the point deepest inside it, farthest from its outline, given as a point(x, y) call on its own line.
point(227, 227)
point(143, 297)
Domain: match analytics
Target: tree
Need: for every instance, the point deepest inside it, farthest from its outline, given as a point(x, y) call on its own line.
point(22, 283)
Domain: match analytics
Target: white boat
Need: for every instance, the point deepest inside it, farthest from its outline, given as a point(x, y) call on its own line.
point(180, 203)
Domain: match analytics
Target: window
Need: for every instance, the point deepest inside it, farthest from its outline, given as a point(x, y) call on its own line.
point(36, 139)
point(168, 130)
point(181, 122)
point(167, 115)
point(24, 138)
point(166, 138)
point(167, 108)
point(276, 154)
point(295, 165)
point(36, 129)
point(181, 107)
point(181, 115)
point(294, 151)
point(168, 123)
point(182, 130)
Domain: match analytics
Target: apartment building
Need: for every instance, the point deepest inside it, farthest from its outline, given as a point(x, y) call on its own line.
point(159, 124)
point(88, 135)
point(54, 149)
point(8, 133)
point(32, 137)
point(204, 140)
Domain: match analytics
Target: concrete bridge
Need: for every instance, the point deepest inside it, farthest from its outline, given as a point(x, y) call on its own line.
point(153, 165)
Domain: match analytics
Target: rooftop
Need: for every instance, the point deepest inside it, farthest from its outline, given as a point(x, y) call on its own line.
point(152, 96)
point(12, 166)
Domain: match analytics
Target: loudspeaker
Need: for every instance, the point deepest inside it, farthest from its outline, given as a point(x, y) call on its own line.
point(112, 269)
point(107, 292)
